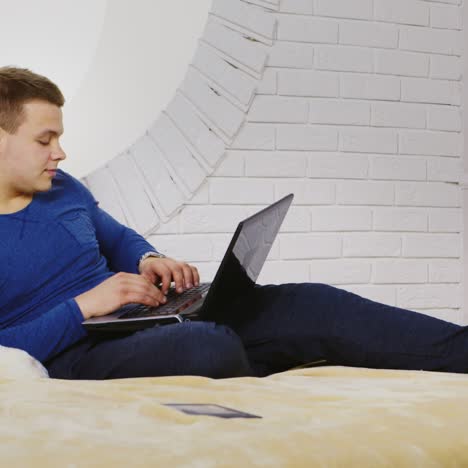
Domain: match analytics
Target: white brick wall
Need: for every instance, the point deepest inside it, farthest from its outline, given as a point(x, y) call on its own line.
point(359, 114)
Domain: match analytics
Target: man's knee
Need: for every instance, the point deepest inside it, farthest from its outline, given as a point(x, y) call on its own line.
point(213, 350)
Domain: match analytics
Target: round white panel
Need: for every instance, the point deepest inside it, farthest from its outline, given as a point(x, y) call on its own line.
point(118, 64)
point(56, 38)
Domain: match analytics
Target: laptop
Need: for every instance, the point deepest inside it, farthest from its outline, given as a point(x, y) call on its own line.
point(238, 272)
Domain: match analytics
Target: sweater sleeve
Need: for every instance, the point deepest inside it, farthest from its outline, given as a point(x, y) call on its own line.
point(121, 245)
point(48, 334)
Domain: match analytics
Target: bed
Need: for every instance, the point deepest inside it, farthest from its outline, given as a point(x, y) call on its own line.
point(323, 416)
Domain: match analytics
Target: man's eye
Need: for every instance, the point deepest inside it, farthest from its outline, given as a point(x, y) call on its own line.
point(44, 143)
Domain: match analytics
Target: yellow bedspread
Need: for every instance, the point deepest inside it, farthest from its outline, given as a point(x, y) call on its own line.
point(329, 416)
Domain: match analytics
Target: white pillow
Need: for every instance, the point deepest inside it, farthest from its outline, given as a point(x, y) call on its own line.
point(16, 363)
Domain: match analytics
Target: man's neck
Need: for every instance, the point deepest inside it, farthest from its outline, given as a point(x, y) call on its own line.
point(17, 204)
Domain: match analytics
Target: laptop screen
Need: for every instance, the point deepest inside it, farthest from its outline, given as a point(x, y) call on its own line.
point(245, 257)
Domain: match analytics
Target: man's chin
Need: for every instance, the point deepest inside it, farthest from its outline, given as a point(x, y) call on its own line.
point(43, 186)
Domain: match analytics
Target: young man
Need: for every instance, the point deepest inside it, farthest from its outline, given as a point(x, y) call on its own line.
point(64, 259)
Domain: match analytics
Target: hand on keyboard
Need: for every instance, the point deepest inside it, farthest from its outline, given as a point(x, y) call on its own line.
point(176, 303)
point(166, 270)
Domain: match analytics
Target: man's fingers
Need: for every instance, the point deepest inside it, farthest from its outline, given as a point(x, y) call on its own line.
point(178, 277)
point(195, 275)
point(184, 275)
point(188, 275)
point(160, 296)
point(156, 293)
point(166, 279)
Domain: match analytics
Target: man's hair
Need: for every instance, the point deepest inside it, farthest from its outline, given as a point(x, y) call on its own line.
point(19, 86)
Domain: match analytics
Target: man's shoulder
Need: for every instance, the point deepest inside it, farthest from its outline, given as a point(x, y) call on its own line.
point(63, 176)
point(74, 186)
point(64, 187)
point(65, 179)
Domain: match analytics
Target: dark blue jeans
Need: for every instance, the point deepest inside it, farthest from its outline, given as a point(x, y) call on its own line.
point(275, 328)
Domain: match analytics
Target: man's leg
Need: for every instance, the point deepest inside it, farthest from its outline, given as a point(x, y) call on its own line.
point(189, 348)
point(283, 326)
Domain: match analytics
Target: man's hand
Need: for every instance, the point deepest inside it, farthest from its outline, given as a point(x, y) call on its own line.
point(118, 290)
point(166, 270)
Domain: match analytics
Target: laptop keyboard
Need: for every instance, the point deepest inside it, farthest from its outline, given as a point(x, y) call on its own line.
point(176, 302)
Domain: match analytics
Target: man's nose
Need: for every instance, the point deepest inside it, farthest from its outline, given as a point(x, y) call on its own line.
point(59, 154)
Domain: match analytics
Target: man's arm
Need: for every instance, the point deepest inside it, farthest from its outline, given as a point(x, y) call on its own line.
point(120, 245)
point(49, 334)
point(123, 248)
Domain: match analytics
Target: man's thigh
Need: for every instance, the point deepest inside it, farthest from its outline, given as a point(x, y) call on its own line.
point(283, 326)
point(189, 348)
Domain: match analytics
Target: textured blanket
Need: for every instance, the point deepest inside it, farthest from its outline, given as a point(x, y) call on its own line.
point(329, 416)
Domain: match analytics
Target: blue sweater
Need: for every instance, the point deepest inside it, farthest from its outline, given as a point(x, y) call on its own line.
point(59, 246)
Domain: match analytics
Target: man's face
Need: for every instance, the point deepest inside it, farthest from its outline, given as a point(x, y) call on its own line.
point(34, 148)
